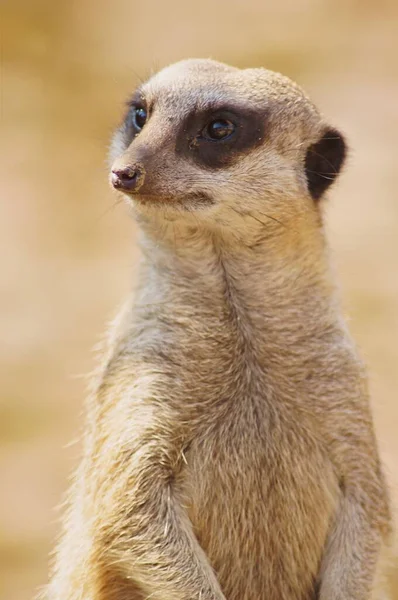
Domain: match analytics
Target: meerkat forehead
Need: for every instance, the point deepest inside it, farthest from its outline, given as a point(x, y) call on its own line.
point(196, 84)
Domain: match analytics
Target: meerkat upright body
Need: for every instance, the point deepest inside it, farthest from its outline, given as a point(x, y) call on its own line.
point(230, 451)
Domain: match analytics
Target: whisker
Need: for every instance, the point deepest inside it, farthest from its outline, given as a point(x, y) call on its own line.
point(332, 138)
point(257, 219)
point(108, 210)
point(273, 219)
point(329, 176)
point(334, 172)
point(139, 77)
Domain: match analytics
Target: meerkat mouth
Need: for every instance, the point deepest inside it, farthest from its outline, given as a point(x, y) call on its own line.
point(189, 201)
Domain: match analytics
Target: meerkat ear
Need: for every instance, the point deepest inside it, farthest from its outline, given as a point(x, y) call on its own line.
point(323, 162)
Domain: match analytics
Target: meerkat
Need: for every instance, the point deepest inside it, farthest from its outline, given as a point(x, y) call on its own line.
point(230, 451)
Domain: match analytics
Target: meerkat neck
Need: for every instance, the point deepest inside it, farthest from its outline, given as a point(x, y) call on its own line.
point(279, 289)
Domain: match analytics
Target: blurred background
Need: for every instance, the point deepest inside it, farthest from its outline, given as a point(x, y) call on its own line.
point(67, 253)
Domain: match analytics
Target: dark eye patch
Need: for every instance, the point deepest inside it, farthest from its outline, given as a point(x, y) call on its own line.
point(249, 131)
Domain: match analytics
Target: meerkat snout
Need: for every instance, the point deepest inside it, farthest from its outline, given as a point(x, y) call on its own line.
point(206, 135)
point(127, 178)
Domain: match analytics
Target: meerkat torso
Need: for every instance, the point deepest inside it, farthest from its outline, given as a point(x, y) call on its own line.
point(230, 453)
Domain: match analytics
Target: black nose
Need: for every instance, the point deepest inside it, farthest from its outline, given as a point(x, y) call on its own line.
point(128, 178)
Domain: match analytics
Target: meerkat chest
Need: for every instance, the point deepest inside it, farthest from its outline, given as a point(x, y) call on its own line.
point(261, 495)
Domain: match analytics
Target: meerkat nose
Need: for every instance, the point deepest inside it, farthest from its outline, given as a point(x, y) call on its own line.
point(127, 179)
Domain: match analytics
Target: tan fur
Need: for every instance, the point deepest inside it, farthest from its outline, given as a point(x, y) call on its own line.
point(229, 450)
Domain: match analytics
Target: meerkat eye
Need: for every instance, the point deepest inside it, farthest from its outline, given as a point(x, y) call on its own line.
point(139, 117)
point(219, 129)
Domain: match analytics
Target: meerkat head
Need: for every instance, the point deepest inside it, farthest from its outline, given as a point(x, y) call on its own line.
point(218, 142)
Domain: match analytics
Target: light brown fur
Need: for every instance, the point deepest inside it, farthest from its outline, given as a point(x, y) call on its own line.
point(229, 451)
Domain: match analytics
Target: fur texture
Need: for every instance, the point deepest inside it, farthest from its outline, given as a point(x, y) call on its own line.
point(229, 450)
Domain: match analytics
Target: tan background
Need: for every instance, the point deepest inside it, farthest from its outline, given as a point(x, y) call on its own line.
point(67, 68)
